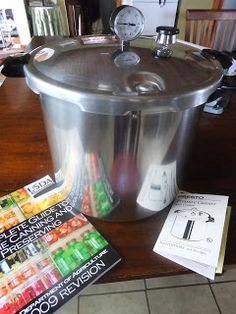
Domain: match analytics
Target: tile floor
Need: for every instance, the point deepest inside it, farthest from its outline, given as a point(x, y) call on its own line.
point(166, 295)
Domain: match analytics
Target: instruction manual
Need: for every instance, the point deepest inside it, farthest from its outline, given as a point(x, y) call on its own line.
point(192, 234)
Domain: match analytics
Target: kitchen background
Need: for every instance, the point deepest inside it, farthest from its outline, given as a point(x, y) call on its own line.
point(21, 19)
point(179, 294)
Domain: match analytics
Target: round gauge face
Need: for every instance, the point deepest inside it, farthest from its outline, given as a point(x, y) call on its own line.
point(126, 59)
point(127, 22)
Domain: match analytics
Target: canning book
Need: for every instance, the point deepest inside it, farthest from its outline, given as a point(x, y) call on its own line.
point(49, 251)
point(194, 233)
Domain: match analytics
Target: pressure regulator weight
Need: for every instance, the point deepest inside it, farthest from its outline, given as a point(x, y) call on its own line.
point(127, 22)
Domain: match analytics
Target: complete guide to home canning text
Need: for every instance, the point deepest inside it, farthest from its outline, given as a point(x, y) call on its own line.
point(195, 231)
point(49, 251)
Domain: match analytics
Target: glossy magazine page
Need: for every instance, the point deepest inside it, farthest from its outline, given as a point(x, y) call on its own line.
point(49, 252)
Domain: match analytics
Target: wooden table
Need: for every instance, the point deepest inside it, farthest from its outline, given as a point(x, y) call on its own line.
point(211, 169)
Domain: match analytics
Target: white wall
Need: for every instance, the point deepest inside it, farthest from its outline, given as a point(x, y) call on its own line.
point(127, 2)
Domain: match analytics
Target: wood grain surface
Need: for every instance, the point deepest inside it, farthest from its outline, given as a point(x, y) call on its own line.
point(211, 168)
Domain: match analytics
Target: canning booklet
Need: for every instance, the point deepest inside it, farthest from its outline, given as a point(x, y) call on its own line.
point(194, 233)
point(49, 252)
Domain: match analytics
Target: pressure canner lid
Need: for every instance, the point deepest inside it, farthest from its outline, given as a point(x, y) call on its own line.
point(93, 73)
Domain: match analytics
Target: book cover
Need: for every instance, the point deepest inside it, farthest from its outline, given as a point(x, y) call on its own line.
point(49, 251)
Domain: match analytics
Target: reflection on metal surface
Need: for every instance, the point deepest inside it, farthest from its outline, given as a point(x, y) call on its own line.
point(159, 187)
point(98, 39)
point(125, 58)
point(87, 189)
point(102, 162)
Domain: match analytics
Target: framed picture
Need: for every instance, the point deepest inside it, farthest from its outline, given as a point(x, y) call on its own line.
point(16, 20)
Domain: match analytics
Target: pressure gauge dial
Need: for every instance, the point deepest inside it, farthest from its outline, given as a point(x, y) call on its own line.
point(127, 22)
